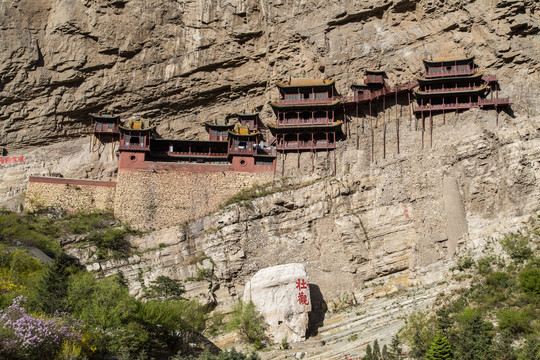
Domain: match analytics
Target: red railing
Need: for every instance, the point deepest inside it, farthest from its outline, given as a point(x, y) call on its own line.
point(496, 101)
point(445, 107)
point(454, 89)
point(449, 73)
point(138, 147)
point(308, 145)
point(374, 79)
point(248, 150)
point(192, 154)
point(310, 121)
point(327, 100)
point(105, 129)
point(489, 78)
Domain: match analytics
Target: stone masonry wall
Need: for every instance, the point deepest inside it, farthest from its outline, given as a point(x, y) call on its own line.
point(161, 198)
point(70, 195)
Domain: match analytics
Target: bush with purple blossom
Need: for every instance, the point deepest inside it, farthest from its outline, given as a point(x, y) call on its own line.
point(28, 337)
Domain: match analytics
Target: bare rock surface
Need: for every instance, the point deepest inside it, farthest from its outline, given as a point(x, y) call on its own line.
point(367, 230)
point(281, 294)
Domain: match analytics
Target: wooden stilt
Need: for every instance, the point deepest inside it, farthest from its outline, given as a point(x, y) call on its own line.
point(430, 130)
point(497, 116)
point(372, 134)
point(384, 140)
point(397, 123)
point(298, 162)
point(357, 129)
point(423, 128)
point(335, 161)
point(410, 110)
point(282, 164)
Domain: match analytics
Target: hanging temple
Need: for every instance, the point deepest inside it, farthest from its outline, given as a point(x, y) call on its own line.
point(310, 116)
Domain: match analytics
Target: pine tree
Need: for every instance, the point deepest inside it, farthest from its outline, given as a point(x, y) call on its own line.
point(385, 354)
point(396, 352)
point(376, 351)
point(369, 353)
point(53, 287)
point(440, 349)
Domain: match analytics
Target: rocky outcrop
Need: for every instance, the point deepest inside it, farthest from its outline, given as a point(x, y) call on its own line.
point(281, 294)
point(363, 229)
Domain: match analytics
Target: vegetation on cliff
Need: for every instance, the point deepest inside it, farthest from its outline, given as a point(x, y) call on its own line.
point(497, 317)
point(59, 311)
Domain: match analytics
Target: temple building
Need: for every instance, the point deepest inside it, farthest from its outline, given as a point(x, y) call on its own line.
point(309, 115)
point(218, 130)
point(135, 136)
point(232, 145)
point(105, 124)
point(455, 84)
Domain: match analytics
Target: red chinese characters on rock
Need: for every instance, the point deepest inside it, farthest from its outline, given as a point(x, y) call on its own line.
point(302, 298)
point(11, 159)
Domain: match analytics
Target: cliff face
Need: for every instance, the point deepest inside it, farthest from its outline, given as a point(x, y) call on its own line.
point(184, 62)
point(400, 220)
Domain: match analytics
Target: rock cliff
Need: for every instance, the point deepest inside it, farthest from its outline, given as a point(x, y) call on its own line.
point(363, 230)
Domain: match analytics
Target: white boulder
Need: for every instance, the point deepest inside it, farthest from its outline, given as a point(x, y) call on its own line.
point(281, 294)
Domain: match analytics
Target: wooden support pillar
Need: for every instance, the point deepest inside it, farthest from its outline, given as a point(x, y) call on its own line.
point(282, 155)
point(335, 160)
point(423, 128)
point(372, 133)
point(397, 123)
point(410, 110)
point(345, 120)
point(443, 117)
point(497, 115)
point(430, 130)
point(384, 140)
point(357, 129)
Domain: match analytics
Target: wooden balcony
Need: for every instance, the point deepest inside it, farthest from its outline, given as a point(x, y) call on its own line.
point(493, 102)
point(374, 79)
point(240, 150)
point(445, 73)
point(305, 122)
point(306, 145)
point(106, 129)
point(438, 107)
point(489, 78)
point(134, 147)
point(327, 100)
point(450, 90)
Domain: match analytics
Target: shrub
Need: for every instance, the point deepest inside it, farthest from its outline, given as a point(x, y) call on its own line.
point(514, 322)
point(529, 279)
point(165, 288)
point(465, 263)
point(28, 337)
point(498, 280)
point(483, 265)
point(517, 246)
point(246, 319)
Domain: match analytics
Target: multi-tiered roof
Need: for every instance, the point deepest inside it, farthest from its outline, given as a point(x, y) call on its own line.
point(307, 115)
point(454, 84)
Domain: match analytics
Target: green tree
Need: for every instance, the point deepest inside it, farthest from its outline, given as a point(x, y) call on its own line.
point(396, 352)
point(102, 303)
point(166, 288)
point(369, 353)
point(444, 323)
point(440, 349)
point(52, 290)
point(384, 354)
point(376, 350)
point(173, 324)
point(473, 338)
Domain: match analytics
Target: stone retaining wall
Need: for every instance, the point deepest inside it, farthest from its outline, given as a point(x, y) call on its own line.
point(69, 194)
point(160, 198)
